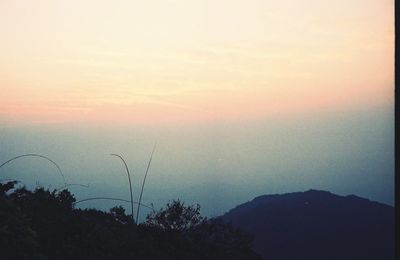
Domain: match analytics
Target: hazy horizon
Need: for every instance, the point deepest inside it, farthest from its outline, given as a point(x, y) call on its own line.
point(217, 165)
point(243, 98)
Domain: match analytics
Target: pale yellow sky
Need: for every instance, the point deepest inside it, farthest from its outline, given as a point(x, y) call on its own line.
point(139, 61)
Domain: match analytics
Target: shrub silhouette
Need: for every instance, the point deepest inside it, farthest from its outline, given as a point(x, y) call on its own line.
point(225, 241)
point(176, 217)
point(119, 215)
point(44, 224)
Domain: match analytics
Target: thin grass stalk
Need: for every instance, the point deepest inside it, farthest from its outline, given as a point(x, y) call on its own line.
point(130, 183)
point(144, 181)
point(37, 155)
point(4, 180)
point(73, 184)
point(114, 199)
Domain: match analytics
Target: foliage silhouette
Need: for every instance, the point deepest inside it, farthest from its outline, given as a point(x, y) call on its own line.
point(176, 217)
point(43, 224)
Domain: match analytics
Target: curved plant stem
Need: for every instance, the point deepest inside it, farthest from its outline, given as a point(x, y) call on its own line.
point(144, 181)
point(37, 155)
point(130, 183)
point(114, 199)
point(4, 180)
point(73, 184)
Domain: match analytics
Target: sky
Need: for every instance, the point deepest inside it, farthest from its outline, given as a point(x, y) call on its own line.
point(130, 61)
point(228, 88)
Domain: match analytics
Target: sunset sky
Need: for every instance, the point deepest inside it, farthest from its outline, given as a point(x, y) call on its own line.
point(243, 97)
point(97, 61)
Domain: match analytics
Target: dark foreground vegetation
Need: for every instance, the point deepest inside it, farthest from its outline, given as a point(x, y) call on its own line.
point(44, 224)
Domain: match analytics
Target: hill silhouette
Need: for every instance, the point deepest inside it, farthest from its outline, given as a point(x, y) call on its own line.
point(317, 225)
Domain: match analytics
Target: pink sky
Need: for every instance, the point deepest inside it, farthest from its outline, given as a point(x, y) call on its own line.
point(167, 61)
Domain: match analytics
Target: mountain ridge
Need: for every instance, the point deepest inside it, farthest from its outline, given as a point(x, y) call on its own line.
point(310, 224)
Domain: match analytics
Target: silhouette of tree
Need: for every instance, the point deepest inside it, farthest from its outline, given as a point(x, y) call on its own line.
point(119, 215)
point(222, 239)
point(176, 217)
point(43, 224)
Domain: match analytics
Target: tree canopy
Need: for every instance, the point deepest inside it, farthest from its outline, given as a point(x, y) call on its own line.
point(44, 224)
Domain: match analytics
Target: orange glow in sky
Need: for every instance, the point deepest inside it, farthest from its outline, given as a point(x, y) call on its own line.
point(166, 61)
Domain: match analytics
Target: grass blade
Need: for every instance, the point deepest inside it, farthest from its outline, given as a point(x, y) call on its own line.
point(114, 199)
point(130, 183)
point(144, 181)
point(37, 155)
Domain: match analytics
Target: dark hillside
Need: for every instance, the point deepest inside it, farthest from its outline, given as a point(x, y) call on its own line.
point(317, 225)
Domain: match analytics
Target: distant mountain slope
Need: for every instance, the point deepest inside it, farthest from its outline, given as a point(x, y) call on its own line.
point(317, 225)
